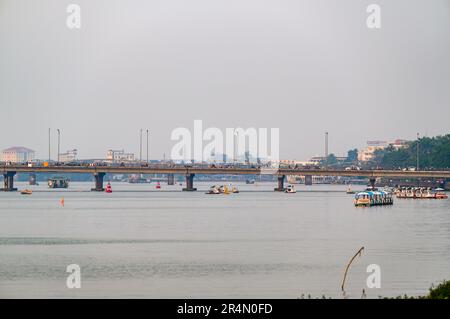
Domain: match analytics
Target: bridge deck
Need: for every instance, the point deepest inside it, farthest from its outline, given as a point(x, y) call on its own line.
point(223, 171)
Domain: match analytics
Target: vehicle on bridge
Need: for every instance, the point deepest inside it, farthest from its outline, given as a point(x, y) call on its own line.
point(353, 168)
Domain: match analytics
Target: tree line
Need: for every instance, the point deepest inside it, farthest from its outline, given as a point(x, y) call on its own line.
point(434, 153)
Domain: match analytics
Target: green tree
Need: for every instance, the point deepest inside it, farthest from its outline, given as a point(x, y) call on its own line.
point(352, 156)
point(434, 153)
point(331, 159)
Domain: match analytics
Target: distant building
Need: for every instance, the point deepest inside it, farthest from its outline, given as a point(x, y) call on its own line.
point(17, 154)
point(368, 153)
point(69, 156)
point(119, 156)
point(397, 144)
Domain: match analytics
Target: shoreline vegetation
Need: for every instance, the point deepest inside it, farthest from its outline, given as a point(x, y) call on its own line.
point(433, 152)
point(441, 291)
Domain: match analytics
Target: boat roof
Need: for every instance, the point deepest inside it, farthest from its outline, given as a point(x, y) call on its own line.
point(370, 193)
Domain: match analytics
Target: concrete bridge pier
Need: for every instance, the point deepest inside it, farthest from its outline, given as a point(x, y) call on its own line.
point(170, 179)
point(98, 182)
point(308, 180)
point(32, 178)
point(189, 183)
point(280, 187)
point(9, 182)
point(372, 181)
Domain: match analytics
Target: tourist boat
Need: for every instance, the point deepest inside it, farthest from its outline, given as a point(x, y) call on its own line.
point(224, 190)
point(213, 190)
point(158, 185)
point(441, 195)
point(373, 198)
point(420, 193)
point(108, 188)
point(290, 189)
point(58, 182)
point(250, 181)
point(26, 192)
point(350, 191)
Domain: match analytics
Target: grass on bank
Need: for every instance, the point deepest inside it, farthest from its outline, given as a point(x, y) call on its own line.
point(441, 291)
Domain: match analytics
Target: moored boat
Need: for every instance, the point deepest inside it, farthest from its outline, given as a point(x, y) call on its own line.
point(373, 198)
point(222, 189)
point(441, 195)
point(213, 190)
point(58, 182)
point(420, 193)
point(290, 189)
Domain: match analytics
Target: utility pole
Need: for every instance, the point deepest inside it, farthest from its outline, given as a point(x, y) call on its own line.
point(147, 146)
point(140, 146)
point(59, 137)
point(417, 157)
point(235, 146)
point(49, 155)
point(326, 149)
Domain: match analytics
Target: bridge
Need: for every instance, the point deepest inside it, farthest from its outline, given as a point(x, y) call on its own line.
point(189, 172)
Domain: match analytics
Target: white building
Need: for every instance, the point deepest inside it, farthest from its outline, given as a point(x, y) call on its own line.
point(397, 144)
point(17, 154)
point(368, 153)
point(69, 156)
point(119, 156)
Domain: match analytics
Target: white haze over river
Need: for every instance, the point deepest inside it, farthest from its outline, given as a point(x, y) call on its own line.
point(147, 243)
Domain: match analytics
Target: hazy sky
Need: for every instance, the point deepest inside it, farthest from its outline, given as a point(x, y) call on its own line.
point(304, 66)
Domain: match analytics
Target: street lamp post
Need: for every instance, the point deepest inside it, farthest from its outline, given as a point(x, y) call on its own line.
point(417, 157)
point(59, 137)
point(49, 154)
point(326, 149)
point(140, 146)
point(147, 146)
point(235, 146)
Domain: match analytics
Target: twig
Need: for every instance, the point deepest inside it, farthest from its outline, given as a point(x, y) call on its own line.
point(348, 266)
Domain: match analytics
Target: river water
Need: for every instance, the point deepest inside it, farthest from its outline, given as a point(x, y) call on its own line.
point(139, 242)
